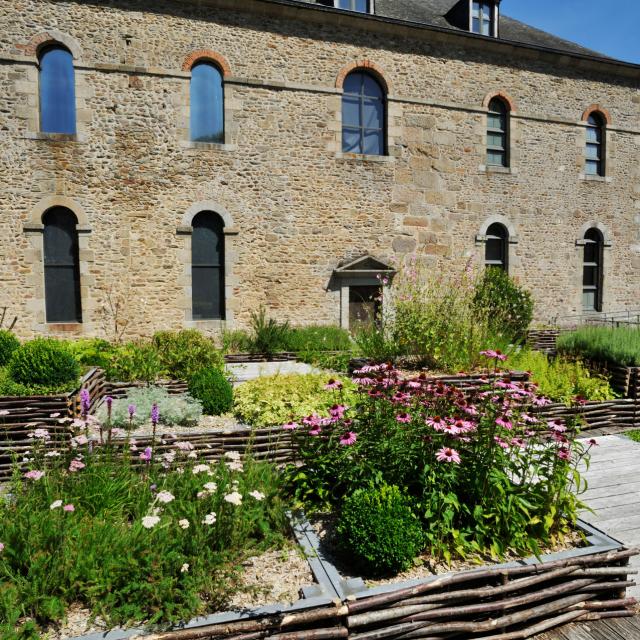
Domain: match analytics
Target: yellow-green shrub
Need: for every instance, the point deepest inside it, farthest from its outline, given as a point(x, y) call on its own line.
point(275, 400)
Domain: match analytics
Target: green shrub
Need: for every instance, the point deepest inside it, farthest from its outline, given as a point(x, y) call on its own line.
point(134, 362)
point(507, 306)
point(236, 341)
point(183, 353)
point(618, 346)
point(333, 361)
point(268, 335)
point(559, 379)
point(8, 344)
point(213, 390)
point(9, 387)
point(634, 435)
point(317, 338)
point(275, 400)
point(378, 529)
point(91, 352)
point(181, 410)
point(43, 361)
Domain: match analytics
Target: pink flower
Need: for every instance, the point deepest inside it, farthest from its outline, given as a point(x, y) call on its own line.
point(348, 439)
point(497, 354)
point(147, 454)
point(518, 442)
point(1, 547)
point(333, 384)
point(500, 442)
point(541, 402)
point(447, 454)
point(557, 426)
point(290, 426)
point(564, 453)
point(403, 418)
point(34, 475)
point(315, 432)
point(68, 508)
point(76, 465)
point(184, 446)
point(593, 443)
point(501, 422)
point(337, 411)
point(436, 422)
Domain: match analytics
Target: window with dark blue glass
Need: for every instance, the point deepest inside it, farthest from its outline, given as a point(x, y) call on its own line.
point(363, 115)
point(207, 267)
point(354, 5)
point(57, 91)
point(595, 147)
point(497, 247)
point(592, 271)
point(482, 18)
point(207, 103)
point(497, 134)
point(61, 266)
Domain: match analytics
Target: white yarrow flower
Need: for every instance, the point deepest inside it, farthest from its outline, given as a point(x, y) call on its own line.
point(165, 497)
point(209, 519)
point(183, 524)
point(184, 568)
point(148, 522)
point(55, 505)
point(258, 495)
point(234, 498)
point(211, 487)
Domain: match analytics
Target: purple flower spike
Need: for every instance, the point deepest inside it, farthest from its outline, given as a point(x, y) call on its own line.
point(85, 402)
point(109, 401)
point(146, 455)
point(155, 414)
point(132, 410)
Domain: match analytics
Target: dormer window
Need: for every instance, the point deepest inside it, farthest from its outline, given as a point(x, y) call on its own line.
point(484, 18)
point(359, 6)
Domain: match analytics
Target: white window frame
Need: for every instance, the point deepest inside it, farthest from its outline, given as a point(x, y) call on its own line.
point(495, 15)
point(372, 6)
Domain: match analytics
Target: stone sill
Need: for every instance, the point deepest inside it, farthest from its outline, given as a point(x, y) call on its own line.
point(208, 146)
point(207, 324)
point(65, 327)
point(589, 178)
point(487, 168)
point(78, 138)
point(361, 157)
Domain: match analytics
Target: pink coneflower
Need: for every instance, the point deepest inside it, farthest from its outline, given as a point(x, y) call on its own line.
point(337, 411)
point(495, 355)
point(593, 443)
point(528, 419)
point(403, 418)
point(436, 422)
point(1, 547)
point(501, 422)
point(557, 426)
point(333, 385)
point(518, 442)
point(446, 454)
point(315, 432)
point(564, 453)
point(541, 401)
point(348, 439)
point(500, 442)
point(68, 508)
point(34, 475)
point(290, 426)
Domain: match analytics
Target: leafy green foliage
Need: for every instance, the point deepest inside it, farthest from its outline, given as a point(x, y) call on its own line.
point(8, 344)
point(378, 529)
point(182, 410)
point(268, 335)
point(559, 379)
point(184, 353)
point(213, 390)
point(43, 361)
point(618, 346)
point(102, 556)
point(634, 435)
point(317, 338)
point(9, 387)
point(135, 362)
point(507, 306)
point(91, 352)
point(274, 400)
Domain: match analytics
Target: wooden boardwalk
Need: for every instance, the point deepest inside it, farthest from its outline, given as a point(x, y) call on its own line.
point(614, 495)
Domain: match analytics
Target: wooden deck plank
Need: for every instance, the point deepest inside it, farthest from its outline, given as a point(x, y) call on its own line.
point(613, 629)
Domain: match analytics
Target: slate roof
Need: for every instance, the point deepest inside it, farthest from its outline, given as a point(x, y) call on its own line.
point(434, 12)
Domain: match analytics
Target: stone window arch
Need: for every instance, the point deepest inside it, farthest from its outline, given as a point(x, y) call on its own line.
point(496, 238)
point(594, 243)
point(596, 158)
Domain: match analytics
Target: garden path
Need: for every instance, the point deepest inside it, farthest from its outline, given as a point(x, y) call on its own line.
point(613, 492)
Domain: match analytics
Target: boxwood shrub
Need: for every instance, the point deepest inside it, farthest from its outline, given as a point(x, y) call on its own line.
point(43, 361)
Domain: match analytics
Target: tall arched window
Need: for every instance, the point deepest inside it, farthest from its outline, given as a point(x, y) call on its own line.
point(207, 103)
point(61, 266)
point(207, 267)
point(363, 115)
point(496, 252)
point(57, 91)
point(592, 270)
point(498, 134)
point(595, 152)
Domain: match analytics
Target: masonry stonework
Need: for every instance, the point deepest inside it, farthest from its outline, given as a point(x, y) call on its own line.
point(296, 207)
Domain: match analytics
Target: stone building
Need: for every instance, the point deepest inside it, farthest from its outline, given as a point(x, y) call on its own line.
point(179, 163)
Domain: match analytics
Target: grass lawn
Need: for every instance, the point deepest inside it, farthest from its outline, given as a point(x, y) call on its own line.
point(634, 435)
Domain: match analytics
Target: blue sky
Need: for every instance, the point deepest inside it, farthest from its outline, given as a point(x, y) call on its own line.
point(611, 27)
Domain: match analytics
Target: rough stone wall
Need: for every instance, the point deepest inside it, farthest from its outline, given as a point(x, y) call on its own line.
point(294, 206)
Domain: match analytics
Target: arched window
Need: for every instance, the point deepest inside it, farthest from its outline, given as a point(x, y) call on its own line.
point(363, 115)
point(592, 270)
point(207, 103)
point(498, 134)
point(61, 266)
point(497, 247)
point(207, 267)
point(595, 146)
point(57, 91)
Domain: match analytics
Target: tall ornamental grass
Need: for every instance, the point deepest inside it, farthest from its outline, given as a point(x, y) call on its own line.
point(618, 346)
